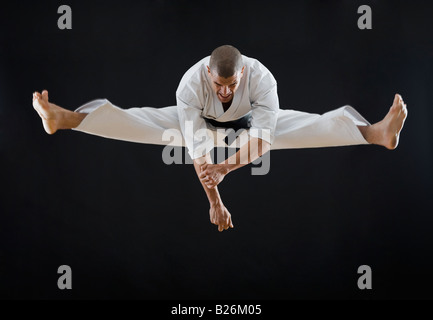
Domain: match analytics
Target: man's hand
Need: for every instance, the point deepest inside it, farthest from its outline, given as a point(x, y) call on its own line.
point(212, 174)
point(220, 216)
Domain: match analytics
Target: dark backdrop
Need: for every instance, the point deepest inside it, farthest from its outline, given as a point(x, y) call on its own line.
point(132, 227)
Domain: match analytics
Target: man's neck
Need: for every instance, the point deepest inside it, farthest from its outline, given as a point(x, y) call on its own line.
point(226, 105)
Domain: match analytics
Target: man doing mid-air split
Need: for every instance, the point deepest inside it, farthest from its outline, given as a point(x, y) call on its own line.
point(226, 90)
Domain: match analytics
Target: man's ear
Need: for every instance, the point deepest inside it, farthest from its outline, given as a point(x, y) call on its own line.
point(242, 72)
point(208, 69)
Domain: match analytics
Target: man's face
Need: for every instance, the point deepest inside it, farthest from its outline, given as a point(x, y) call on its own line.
point(225, 88)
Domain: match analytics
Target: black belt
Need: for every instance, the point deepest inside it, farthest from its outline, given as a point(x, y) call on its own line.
point(236, 125)
point(242, 123)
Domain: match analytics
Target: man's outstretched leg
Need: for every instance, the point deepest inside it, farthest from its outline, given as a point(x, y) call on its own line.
point(54, 117)
point(387, 132)
point(340, 127)
point(101, 118)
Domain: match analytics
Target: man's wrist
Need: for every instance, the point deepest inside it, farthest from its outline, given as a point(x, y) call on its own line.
point(214, 202)
point(227, 166)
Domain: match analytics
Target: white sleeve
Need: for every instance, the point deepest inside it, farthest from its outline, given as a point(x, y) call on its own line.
point(198, 139)
point(264, 106)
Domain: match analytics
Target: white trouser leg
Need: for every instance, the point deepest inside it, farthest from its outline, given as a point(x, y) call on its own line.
point(338, 127)
point(143, 125)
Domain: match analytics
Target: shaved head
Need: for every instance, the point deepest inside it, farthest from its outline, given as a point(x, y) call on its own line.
point(225, 61)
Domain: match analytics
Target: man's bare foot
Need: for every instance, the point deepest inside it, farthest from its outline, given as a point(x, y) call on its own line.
point(48, 112)
point(387, 132)
point(55, 117)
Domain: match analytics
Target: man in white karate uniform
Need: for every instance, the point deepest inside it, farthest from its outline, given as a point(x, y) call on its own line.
point(225, 90)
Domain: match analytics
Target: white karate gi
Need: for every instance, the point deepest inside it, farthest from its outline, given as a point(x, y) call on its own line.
point(255, 98)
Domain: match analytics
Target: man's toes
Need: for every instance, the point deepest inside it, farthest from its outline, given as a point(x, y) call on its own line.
point(397, 100)
point(45, 95)
point(35, 101)
point(37, 108)
point(36, 105)
point(398, 106)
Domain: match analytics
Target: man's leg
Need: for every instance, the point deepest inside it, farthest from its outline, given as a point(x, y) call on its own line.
point(387, 132)
point(340, 127)
point(100, 117)
point(54, 117)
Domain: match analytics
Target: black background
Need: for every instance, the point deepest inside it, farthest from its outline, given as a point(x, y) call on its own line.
point(132, 227)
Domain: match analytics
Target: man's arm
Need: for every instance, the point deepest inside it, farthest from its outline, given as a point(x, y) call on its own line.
point(248, 153)
point(219, 215)
point(213, 174)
